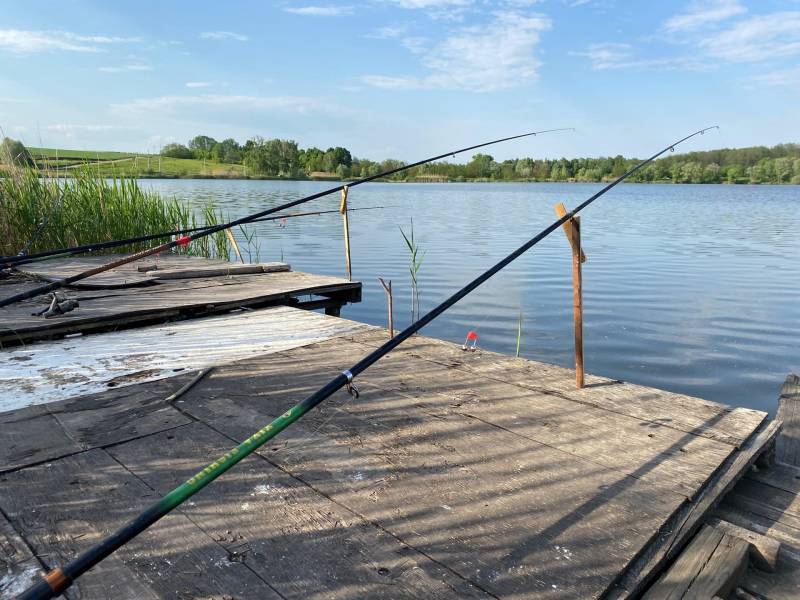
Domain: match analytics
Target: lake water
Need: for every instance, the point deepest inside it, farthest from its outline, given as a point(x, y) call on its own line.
point(692, 289)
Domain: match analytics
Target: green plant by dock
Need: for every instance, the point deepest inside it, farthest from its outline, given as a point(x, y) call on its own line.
point(39, 213)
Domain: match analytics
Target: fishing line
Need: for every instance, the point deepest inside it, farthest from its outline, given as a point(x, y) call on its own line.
point(60, 579)
point(187, 239)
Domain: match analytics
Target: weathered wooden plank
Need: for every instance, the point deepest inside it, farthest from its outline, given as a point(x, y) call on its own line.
point(19, 568)
point(302, 543)
point(65, 507)
point(507, 513)
point(784, 584)
point(676, 582)
point(788, 444)
point(685, 413)
point(36, 434)
point(60, 369)
point(170, 300)
point(120, 277)
point(781, 476)
point(763, 549)
point(616, 441)
point(723, 570)
point(32, 435)
point(761, 518)
point(681, 526)
point(217, 270)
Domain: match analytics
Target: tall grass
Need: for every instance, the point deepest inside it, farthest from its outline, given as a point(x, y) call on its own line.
point(52, 213)
point(415, 259)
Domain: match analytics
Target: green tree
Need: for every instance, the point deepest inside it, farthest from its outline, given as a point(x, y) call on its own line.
point(14, 152)
point(176, 151)
point(201, 146)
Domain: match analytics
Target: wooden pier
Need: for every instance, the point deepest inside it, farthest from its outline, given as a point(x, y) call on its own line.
point(164, 289)
point(454, 474)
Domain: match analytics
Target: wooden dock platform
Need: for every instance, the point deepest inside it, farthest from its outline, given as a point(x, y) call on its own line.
point(454, 475)
point(180, 287)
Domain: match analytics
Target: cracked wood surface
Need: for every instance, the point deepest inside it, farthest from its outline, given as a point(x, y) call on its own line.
point(453, 475)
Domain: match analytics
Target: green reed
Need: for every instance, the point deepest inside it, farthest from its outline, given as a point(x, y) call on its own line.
point(87, 208)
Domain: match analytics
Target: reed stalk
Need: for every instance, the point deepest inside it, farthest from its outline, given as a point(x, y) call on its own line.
point(39, 213)
point(414, 264)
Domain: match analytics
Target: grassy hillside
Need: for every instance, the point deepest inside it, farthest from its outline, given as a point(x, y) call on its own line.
point(52, 153)
point(125, 164)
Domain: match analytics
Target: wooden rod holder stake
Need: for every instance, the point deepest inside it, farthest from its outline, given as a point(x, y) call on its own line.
point(572, 229)
point(346, 223)
point(234, 244)
point(388, 289)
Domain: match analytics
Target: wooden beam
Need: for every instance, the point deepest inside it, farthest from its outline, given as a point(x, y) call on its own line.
point(218, 270)
point(763, 549)
point(346, 224)
point(388, 289)
point(788, 444)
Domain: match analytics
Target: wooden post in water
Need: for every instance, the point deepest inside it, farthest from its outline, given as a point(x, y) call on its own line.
point(572, 229)
point(388, 289)
point(346, 222)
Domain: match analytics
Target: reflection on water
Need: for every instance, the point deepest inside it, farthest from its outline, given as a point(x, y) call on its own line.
point(688, 288)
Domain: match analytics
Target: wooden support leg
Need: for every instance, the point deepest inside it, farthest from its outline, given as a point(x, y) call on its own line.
point(346, 224)
point(577, 300)
point(388, 289)
point(333, 311)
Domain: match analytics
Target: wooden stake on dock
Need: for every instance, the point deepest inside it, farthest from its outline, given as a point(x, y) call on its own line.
point(572, 229)
point(234, 244)
point(388, 289)
point(346, 222)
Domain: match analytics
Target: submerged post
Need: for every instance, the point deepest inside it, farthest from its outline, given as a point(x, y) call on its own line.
point(388, 289)
point(346, 223)
point(572, 229)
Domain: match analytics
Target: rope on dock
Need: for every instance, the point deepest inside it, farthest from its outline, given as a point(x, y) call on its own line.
point(58, 580)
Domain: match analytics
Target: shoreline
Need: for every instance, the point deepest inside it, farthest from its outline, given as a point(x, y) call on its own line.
point(448, 181)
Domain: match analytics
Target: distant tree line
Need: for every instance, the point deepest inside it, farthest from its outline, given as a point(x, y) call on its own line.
point(283, 158)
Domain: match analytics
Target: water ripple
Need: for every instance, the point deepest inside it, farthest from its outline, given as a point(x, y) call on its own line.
point(688, 288)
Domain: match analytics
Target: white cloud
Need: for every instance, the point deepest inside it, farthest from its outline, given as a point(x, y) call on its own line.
point(762, 37)
point(321, 11)
point(704, 13)
point(171, 105)
point(415, 4)
point(498, 55)
point(452, 10)
point(386, 33)
point(69, 128)
point(622, 56)
point(26, 42)
point(783, 78)
point(126, 68)
point(197, 84)
point(717, 34)
point(224, 35)
point(607, 55)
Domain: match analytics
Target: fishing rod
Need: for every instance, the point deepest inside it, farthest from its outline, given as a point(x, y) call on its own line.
point(185, 240)
point(59, 579)
point(20, 259)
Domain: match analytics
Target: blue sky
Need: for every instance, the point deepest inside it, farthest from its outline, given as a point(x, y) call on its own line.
point(402, 78)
